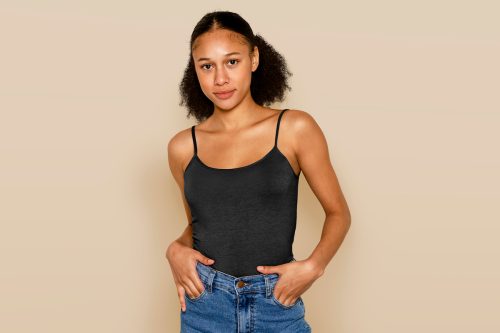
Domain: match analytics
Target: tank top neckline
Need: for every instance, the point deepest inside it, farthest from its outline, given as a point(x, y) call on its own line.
point(240, 167)
point(252, 164)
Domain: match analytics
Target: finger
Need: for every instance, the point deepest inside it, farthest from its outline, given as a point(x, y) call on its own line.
point(277, 295)
point(286, 300)
point(204, 260)
point(193, 288)
point(269, 269)
point(189, 289)
point(199, 284)
point(289, 301)
point(278, 289)
point(192, 283)
point(282, 300)
point(181, 294)
point(282, 297)
point(196, 279)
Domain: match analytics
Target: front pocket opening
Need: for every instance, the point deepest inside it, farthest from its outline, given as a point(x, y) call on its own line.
point(199, 296)
point(283, 305)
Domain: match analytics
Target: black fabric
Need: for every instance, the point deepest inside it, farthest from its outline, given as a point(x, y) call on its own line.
point(246, 216)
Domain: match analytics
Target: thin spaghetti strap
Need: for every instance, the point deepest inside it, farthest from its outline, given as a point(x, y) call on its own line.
point(194, 140)
point(278, 127)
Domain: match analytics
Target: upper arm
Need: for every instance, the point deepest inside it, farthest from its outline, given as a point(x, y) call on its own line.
point(178, 154)
point(312, 153)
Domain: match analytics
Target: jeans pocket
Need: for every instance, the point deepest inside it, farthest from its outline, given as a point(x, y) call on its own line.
point(298, 301)
point(202, 295)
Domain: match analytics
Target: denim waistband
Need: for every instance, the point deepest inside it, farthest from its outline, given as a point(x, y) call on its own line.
point(243, 284)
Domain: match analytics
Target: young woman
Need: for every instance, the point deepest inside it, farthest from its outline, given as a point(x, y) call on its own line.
point(238, 171)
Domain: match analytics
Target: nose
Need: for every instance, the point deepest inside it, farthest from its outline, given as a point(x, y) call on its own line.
point(221, 76)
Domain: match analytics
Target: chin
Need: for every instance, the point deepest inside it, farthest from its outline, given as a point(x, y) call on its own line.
point(225, 106)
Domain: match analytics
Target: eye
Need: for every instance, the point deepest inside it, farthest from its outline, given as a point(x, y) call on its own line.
point(203, 66)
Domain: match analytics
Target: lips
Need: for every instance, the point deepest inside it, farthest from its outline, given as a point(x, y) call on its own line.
point(224, 94)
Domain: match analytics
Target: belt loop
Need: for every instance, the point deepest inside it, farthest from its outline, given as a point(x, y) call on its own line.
point(268, 285)
point(210, 280)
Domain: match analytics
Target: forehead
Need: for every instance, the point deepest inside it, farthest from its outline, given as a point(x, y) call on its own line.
point(218, 42)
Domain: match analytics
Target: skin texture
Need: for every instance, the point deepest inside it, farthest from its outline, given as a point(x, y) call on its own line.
point(227, 140)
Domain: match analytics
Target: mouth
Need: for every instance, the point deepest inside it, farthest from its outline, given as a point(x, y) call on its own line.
point(225, 94)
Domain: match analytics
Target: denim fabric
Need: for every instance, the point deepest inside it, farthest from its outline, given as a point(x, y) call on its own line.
point(226, 305)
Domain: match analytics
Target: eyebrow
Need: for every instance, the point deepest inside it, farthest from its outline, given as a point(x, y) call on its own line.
point(227, 55)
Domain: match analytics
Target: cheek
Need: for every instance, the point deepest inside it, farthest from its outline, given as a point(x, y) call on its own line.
point(241, 77)
point(246, 81)
point(205, 83)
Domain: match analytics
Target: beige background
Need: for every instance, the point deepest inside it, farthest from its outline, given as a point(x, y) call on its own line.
point(407, 94)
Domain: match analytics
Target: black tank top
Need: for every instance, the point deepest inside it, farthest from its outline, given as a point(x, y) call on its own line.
point(246, 216)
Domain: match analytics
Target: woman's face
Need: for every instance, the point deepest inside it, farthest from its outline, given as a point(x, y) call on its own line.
point(223, 64)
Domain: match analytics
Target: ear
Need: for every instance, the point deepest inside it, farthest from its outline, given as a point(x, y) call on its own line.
point(255, 58)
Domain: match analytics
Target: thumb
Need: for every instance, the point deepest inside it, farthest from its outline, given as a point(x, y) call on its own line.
point(205, 260)
point(268, 269)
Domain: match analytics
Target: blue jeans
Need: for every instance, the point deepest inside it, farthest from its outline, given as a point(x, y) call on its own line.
point(241, 305)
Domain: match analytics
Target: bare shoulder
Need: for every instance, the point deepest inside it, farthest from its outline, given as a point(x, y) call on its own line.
point(300, 122)
point(180, 149)
point(302, 132)
point(178, 144)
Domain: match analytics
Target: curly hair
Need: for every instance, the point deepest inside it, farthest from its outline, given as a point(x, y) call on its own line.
point(269, 81)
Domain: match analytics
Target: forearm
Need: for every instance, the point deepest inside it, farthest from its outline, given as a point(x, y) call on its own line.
point(186, 239)
point(334, 231)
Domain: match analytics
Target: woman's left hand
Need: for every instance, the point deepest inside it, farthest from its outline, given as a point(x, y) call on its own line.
point(295, 278)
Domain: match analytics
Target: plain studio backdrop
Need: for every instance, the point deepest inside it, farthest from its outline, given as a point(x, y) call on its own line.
point(407, 94)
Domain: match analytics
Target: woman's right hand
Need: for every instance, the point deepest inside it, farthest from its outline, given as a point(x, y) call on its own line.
point(182, 260)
